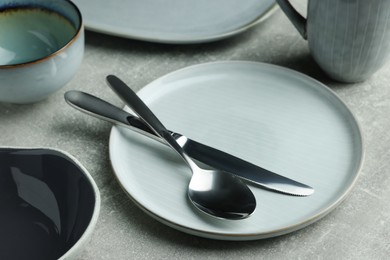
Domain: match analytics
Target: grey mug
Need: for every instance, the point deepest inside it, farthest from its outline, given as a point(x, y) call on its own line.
point(349, 39)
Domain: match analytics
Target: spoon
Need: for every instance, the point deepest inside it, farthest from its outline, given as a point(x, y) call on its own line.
point(214, 192)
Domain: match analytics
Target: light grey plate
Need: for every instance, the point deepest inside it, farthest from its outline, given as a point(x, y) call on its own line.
point(277, 118)
point(173, 21)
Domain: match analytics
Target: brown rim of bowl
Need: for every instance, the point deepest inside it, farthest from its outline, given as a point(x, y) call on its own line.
point(44, 58)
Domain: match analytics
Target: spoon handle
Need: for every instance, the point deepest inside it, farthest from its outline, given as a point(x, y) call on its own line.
point(143, 111)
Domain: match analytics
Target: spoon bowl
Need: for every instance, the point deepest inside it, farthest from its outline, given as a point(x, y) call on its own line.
point(214, 192)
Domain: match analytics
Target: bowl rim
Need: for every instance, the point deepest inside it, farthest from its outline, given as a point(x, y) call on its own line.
point(72, 251)
point(79, 31)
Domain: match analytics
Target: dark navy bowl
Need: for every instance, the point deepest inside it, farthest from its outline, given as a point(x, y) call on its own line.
point(48, 204)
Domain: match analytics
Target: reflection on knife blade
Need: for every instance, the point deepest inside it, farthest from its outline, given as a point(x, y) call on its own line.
point(215, 158)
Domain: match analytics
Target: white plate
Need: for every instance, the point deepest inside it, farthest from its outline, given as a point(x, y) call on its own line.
point(271, 116)
point(173, 21)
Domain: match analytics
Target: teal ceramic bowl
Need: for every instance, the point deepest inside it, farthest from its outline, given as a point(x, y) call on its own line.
point(43, 49)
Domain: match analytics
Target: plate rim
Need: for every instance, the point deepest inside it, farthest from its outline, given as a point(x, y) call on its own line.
point(115, 31)
point(262, 235)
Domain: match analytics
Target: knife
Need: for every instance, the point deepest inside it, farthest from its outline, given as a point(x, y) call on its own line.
point(215, 158)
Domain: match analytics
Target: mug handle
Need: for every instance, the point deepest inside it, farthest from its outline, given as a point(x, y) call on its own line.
point(296, 18)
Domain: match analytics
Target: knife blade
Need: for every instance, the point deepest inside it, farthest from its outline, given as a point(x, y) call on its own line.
point(213, 157)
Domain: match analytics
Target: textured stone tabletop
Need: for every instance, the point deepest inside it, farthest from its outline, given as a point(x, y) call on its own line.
point(358, 229)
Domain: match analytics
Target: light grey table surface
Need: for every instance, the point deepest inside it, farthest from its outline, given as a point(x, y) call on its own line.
point(358, 229)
